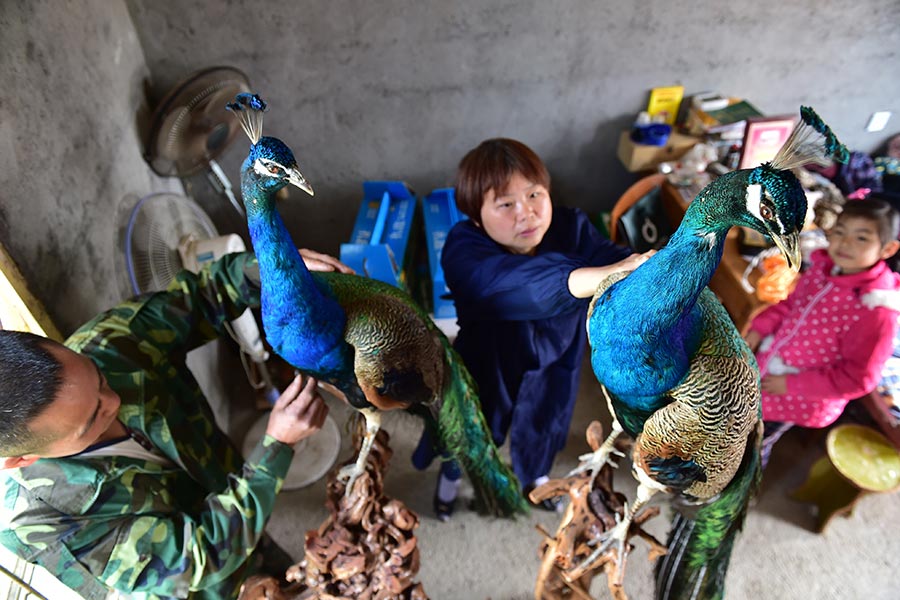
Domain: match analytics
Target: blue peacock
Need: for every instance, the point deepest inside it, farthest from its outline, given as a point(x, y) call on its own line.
point(679, 378)
point(367, 338)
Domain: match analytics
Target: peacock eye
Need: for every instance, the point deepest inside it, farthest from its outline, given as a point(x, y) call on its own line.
point(275, 169)
point(766, 212)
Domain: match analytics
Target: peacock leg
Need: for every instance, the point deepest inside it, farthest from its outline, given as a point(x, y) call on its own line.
point(618, 535)
point(351, 472)
point(594, 461)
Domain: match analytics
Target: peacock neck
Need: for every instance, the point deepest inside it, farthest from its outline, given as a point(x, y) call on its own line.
point(650, 317)
point(694, 252)
point(681, 269)
point(282, 271)
point(292, 303)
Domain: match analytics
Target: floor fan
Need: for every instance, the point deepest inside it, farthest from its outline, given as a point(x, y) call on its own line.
point(166, 233)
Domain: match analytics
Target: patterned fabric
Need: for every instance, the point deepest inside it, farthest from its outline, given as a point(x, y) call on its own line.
point(522, 334)
point(836, 343)
point(889, 386)
point(135, 525)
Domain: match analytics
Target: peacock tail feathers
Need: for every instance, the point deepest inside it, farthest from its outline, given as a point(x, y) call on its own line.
point(701, 539)
point(811, 141)
point(465, 435)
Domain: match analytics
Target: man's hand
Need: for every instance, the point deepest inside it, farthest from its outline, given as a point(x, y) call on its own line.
point(298, 413)
point(316, 261)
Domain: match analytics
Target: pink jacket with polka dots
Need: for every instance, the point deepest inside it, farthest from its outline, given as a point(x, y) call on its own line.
point(824, 330)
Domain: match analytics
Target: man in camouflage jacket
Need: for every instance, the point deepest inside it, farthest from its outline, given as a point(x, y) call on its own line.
point(185, 526)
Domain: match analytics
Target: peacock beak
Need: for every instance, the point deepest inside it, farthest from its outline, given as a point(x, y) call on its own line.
point(295, 177)
point(789, 244)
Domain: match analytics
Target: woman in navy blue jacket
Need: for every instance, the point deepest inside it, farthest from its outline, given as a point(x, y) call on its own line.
point(521, 273)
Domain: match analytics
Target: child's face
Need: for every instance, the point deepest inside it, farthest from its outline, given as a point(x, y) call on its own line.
point(518, 217)
point(854, 245)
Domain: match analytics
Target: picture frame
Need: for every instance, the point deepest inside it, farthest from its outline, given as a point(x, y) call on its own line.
point(763, 138)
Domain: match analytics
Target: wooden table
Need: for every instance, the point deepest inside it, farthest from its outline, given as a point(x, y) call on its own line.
point(726, 281)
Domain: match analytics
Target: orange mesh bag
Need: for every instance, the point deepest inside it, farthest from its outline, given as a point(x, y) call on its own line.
point(777, 279)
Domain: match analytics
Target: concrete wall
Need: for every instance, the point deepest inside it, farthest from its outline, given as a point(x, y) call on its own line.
point(400, 90)
point(71, 161)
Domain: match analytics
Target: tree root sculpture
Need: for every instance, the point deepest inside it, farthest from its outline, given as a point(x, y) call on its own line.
point(592, 510)
point(263, 587)
point(366, 549)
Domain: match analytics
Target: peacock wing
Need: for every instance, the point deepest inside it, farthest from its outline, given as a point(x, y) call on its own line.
point(720, 337)
point(398, 359)
point(695, 444)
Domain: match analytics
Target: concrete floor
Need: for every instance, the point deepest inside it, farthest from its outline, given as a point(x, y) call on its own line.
point(471, 557)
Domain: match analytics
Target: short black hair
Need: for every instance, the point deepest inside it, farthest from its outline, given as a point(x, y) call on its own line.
point(878, 212)
point(490, 166)
point(30, 377)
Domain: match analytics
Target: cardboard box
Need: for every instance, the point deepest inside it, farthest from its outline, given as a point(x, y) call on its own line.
point(440, 214)
point(379, 245)
point(637, 157)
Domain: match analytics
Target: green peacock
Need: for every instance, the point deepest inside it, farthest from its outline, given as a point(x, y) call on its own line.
point(679, 378)
point(367, 338)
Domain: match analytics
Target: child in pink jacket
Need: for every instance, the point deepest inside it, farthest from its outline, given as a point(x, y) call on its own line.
point(827, 342)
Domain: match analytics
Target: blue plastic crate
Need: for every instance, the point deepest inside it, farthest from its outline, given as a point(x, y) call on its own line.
point(380, 240)
point(440, 214)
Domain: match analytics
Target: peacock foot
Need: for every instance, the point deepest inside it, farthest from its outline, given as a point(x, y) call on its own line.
point(594, 461)
point(614, 538)
point(348, 476)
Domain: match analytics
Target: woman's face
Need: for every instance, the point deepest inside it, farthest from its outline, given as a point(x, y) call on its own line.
point(518, 217)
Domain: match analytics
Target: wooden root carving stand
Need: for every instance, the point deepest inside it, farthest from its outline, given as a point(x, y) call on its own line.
point(365, 550)
point(591, 511)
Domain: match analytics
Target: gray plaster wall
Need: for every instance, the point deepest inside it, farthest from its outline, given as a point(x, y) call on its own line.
point(402, 89)
point(386, 90)
point(72, 77)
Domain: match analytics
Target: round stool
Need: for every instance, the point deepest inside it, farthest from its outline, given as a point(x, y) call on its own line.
point(859, 461)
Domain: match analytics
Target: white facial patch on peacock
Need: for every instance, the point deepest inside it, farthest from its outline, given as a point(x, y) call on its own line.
point(268, 168)
point(753, 199)
point(260, 168)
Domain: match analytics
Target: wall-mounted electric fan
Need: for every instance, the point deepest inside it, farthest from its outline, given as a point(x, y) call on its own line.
point(190, 127)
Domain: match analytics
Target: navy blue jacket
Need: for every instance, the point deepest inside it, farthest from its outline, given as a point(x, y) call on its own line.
point(522, 334)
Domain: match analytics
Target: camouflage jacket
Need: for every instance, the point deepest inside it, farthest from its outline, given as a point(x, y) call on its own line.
point(133, 525)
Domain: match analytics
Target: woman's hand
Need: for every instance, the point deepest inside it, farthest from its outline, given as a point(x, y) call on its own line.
point(316, 261)
point(583, 282)
point(298, 413)
point(631, 263)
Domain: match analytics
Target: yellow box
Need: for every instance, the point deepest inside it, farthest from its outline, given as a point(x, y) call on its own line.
point(638, 157)
point(665, 101)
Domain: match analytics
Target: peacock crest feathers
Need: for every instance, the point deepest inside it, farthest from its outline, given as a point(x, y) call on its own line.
point(249, 109)
point(811, 141)
point(270, 160)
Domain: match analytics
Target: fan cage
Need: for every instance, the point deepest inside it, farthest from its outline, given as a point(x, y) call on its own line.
point(174, 128)
point(157, 225)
